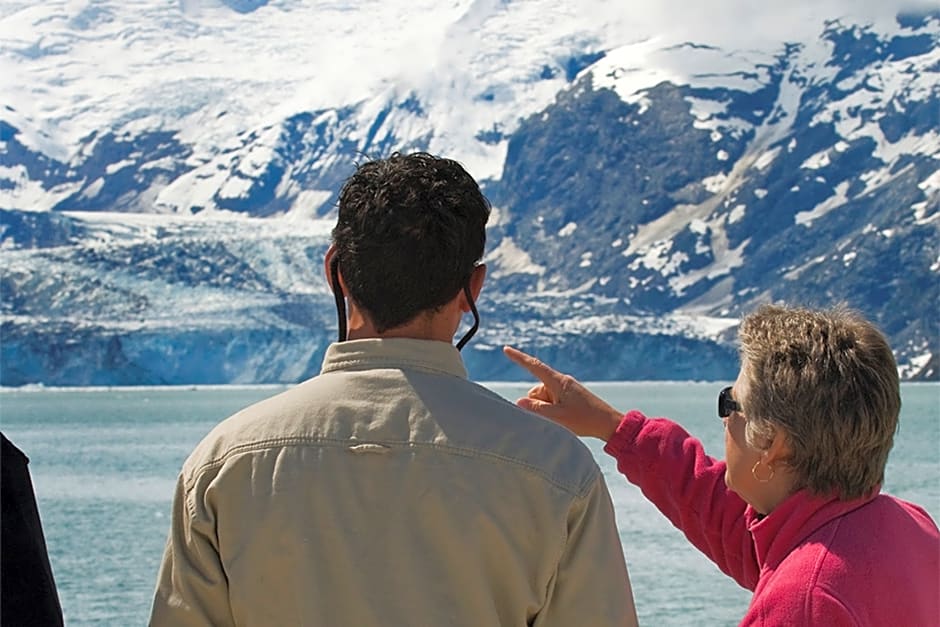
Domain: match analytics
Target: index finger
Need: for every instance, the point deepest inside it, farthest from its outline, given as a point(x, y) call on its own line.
point(543, 372)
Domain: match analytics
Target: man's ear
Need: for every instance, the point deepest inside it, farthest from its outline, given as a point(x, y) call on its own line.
point(327, 262)
point(477, 278)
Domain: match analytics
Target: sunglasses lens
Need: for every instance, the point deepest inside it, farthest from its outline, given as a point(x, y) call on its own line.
point(724, 407)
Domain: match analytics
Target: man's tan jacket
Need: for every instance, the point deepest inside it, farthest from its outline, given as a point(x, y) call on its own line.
point(390, 490)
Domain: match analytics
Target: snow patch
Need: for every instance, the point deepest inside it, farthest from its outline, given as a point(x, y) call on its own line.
point(725, 261)
point(794, 274)
point(118, 166)
point(568, 229)
point(507, 259)
point(716, 183)
point(93, 189)
point(766, 158)
point(632, 69)
point(307, 205)
point(839, 198)
point(736, 214)
point(931, 184)
point(914, 366)
point(816, 162)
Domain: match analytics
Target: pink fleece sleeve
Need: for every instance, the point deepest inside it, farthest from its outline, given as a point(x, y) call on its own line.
point(674, 473)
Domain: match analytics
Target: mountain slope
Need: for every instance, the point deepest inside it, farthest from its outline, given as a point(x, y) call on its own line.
point(647, 191)
point(807, 181)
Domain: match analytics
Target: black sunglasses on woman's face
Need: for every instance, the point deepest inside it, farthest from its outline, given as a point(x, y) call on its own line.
point(726, 404)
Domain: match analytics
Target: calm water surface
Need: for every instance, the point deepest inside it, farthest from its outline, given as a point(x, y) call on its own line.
point(104, 465)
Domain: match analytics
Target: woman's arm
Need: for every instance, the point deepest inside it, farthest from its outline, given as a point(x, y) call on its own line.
point(672, 470)
point(661, 458)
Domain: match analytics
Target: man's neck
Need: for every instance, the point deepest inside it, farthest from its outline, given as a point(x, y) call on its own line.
point(437, 326)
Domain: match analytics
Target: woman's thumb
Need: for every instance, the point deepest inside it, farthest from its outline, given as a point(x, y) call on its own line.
point(546, 410)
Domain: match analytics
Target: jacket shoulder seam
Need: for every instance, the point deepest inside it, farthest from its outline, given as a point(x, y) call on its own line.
point(570, 487)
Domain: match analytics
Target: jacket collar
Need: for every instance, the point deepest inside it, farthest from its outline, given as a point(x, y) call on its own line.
point(397, 353)
point(791, 522)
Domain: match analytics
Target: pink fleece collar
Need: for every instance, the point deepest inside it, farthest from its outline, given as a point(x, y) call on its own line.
point(791, 522)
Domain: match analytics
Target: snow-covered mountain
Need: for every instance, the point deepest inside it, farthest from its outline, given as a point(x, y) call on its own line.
point(168, 175)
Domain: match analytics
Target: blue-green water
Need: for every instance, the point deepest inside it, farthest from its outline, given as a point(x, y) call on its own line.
point(104, 464)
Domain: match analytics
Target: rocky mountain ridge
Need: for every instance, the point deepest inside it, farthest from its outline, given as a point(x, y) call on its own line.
point(661, 192)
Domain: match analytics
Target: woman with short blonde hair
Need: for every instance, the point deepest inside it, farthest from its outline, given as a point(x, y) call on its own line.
point(794, 511)
point(829, 380)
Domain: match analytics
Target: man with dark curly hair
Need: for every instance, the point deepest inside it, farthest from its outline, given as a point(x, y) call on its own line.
point(391, 490)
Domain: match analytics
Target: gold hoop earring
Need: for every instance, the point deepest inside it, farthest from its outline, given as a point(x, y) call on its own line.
point(754, 472)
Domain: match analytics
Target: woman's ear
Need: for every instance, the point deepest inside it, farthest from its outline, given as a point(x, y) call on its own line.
point(779, 450)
